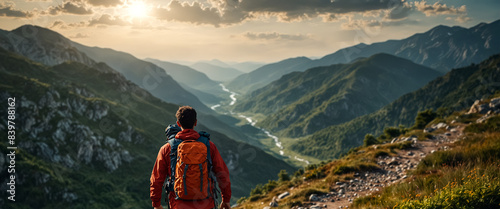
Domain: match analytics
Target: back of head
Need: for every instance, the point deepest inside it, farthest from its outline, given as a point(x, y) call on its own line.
point(186, 116)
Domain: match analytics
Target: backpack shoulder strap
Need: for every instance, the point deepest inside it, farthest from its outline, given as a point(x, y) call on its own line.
point(205, 139)
point(174, 143)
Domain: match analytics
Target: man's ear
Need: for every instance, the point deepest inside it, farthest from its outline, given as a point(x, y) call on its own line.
point(195, 123)
point(179, 124)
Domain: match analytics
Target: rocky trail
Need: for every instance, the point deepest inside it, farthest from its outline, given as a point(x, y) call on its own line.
point(394, 169)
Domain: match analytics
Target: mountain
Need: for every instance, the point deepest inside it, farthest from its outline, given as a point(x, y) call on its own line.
point(87, 138)
point(302, 103)
point(51, 48)
point(266, 74)
point(453, 164)
point(441, 48)
point(216, 72)
point(207, 90)
point(456, 90)
point(246, 67)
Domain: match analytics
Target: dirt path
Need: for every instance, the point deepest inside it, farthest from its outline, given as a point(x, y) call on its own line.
point(394, 170)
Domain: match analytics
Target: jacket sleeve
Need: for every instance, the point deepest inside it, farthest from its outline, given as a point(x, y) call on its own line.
point(158, 175)
point(221, 172)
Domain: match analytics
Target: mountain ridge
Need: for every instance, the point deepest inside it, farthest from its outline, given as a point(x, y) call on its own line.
point(450, 47)
point(456, 90)
point(301, 103)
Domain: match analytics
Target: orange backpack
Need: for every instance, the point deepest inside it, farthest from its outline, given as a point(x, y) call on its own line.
point(191, 167)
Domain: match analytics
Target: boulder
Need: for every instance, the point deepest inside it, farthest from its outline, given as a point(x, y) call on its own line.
point(314, 198)
point(429, 130)
point(283, 195)
point(495, 103)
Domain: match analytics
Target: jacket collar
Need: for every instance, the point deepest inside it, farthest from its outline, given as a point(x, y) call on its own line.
point(187, 134)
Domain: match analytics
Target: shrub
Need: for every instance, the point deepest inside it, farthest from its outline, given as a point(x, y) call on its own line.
point(283, 176)
point(423, 118)
point(391, 132)
point(369, 140)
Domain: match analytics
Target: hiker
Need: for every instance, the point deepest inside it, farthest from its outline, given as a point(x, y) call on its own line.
point(198, 191)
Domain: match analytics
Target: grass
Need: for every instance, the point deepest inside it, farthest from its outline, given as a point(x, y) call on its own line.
point(466, 177)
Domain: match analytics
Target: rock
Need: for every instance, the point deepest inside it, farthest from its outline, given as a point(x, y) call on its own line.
point(433, 151)
point(479, 108)
point(283, 195)
point(394, 140)
point(314, 198)
point(356, 175)
point(429, 130)
point(316, 207)
point(440, 125)
point(410, 153)
point(495, 103)
point(393, 162)
point(339, 183)
point(274, 203)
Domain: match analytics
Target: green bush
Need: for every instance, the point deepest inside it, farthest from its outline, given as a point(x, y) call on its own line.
point(369, 140)
point(423, 118)
point(283, 176)
point(392, 132)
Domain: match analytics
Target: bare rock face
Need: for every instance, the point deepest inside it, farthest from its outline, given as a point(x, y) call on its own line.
point(53, 124)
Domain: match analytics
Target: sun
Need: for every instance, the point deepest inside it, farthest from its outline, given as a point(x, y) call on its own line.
point(137, 9)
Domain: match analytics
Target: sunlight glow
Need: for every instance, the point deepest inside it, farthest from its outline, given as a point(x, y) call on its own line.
point(137, 9)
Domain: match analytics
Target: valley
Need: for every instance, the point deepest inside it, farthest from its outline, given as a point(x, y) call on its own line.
point(340, 130)
point(277, 147)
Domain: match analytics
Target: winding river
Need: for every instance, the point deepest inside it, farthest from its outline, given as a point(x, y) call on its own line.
point(252, 122)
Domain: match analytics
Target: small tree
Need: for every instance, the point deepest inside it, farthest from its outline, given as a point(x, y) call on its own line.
point(391, 132)
point(423, 118)
point(283, 176)
point(369, 140)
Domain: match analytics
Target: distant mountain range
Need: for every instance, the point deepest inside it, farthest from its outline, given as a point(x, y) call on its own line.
point(215, 72)
point(88, 137)
point(51, 48)
point(456, 90)
point(196, 82)
point(302, 103)
point(266, 74)
point(442, 48)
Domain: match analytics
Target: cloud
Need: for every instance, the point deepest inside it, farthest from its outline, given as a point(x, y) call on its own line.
point(274, 36)
point(105, 3)
point(227, 12)
point(439, 9)
point(79, 35)
point(69, 7)
point(7, 10)
point(63, 25)
point(460, 19)
point(399, 12)
point(103, 20)
point(107, 19)
point(360, 24)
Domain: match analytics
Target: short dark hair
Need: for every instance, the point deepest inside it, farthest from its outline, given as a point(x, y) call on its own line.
point(186, 116)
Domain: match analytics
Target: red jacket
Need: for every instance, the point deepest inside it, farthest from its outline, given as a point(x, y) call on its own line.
point(161, 170)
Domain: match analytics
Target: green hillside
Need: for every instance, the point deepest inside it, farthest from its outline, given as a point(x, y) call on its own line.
point(456, 90)
point(88, 137)
point(299, 104)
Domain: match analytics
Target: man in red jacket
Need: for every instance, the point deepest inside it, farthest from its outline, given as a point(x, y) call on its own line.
point(186, 119)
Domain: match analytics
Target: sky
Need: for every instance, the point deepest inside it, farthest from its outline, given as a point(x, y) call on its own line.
point(240, 30)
